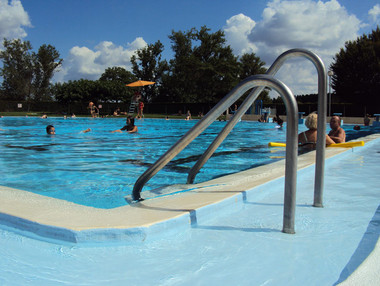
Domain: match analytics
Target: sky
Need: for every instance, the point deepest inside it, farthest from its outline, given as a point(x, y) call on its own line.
point(92, 35)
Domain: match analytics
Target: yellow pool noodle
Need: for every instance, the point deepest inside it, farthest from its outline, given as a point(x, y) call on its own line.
point(350, 144)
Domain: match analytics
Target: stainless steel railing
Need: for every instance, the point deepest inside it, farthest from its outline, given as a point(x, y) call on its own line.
point(322, 88)
point(228, 100)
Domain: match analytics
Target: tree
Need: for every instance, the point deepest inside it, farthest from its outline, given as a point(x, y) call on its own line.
point(356, 70)
point(109, 88)
point(217, 71)
point(112, 84)
point(147, 65)
point(307, 98)
point(17, 70)
point(46, 61)
point(63, 92)
point(118, 74)
point(25, 73)
point(201, 73)
point(178, 83)
point(250, 64)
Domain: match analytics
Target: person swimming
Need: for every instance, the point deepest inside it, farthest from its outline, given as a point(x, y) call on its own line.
point(50, 130)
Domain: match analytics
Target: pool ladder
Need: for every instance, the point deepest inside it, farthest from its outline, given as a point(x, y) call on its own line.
point(258, 83)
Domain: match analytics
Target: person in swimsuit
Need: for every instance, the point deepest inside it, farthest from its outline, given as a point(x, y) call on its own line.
point(140, 113)
point(94, 111)
point(337, 133)
point(116, 112)
point(50, 129)
point(130, 127)
point(309, 137)
point(188, 115)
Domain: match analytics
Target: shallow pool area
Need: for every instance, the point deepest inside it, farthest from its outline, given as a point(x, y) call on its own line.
point(233, 240)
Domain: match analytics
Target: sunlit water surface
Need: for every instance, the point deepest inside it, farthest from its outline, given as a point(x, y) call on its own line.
point(99, 168)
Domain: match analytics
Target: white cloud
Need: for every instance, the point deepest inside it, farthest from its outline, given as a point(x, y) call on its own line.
point(374, 13)
point(322, 27)
point(237, 30)
point(90, 64)
point(12, 20)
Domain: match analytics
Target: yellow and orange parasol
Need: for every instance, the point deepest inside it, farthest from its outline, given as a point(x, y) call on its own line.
point(140, 83)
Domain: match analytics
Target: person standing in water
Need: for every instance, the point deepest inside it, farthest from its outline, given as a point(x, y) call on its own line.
point(337, 133)
point(130, 127)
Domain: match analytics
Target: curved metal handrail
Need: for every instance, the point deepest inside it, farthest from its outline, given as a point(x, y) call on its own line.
point(322, 88)
point(291, 140)
point(190, 135)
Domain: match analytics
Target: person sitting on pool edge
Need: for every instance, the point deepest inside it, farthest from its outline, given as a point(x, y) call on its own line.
point(50, 130)
point(309, 137)
point(130, 127)
point(337, 133)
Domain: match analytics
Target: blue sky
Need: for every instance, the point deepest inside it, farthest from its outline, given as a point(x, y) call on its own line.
point(92, 35)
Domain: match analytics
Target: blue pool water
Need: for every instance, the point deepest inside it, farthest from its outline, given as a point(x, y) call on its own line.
point(99, 168)
point(243, 247)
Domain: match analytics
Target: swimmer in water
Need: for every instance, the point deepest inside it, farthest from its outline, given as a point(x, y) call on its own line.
point(130, 127)
point(50, 130)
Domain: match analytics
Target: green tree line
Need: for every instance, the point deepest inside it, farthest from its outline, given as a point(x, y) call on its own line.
point(356, 70)
point(203, 70)
point(26, 74)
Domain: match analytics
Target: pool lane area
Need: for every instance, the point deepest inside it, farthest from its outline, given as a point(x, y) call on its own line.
point(217, 232)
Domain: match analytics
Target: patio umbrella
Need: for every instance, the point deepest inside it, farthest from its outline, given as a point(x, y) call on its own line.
point(140, 83)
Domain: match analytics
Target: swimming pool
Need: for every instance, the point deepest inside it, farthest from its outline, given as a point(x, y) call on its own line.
point(244, 246)
point(99, 168)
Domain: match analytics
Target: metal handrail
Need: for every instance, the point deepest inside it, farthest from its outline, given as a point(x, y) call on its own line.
point(322, 88)
point(291, 139)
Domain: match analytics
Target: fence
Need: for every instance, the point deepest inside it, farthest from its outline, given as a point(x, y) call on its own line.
point(106, 107)
point(347, 109)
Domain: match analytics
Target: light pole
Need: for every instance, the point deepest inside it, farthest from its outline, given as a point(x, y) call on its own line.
point(330, 74)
